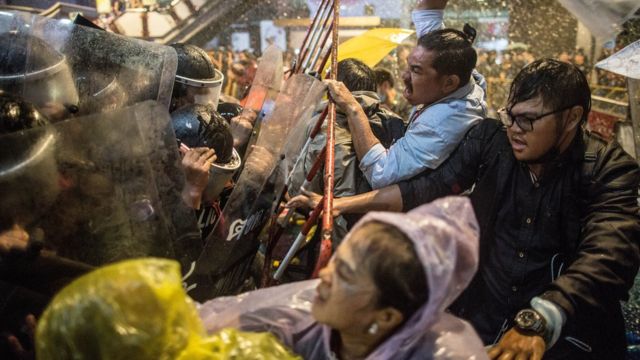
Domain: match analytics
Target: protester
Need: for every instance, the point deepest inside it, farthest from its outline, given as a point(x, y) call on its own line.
point(387, 127)
point(558, 211)
point(448, 102)
point(382, 296)
point(390, 99)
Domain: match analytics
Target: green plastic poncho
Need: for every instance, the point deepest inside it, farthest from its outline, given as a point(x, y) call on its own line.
point(138, 309)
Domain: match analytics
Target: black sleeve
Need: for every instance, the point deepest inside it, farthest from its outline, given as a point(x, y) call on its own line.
point(607, 257)
point(456, 174)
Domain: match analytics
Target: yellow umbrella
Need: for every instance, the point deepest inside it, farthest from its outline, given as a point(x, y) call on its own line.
point(373, 45)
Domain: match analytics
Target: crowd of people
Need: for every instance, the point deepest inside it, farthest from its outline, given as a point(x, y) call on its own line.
point(458, 235)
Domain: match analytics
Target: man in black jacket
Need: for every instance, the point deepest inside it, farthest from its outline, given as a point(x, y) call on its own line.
point(559, 221)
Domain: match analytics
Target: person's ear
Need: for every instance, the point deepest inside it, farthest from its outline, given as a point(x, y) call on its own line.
point(451, 84)
point(388, 319)
point(574, 117)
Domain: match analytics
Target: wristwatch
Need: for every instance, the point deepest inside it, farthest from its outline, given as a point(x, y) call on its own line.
point(530, 321)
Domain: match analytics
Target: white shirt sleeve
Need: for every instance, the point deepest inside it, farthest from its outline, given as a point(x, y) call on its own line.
point(428, 142)
point(427, 21)
point(553, 315)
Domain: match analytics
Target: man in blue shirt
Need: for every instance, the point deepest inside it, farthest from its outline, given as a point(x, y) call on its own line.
point(448, 100)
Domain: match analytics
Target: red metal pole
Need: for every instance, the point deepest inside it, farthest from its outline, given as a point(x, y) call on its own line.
point(318, 126)
point(312, 34)
point(327, 216)
point(315, 40)
point(317, 54)
point(324, 62)
point(312, 25)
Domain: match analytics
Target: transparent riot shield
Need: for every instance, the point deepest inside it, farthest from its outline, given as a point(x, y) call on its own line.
point(223, 264)
point(261, 98)
point(68, 70)
point(300, 134)
point(100, 188)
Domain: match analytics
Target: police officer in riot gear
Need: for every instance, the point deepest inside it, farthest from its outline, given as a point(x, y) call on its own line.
point(209, 159)
point(197, 79)
point(32, 69)
point(229, 110)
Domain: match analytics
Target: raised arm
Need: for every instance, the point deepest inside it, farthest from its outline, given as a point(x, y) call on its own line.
point(431, 4)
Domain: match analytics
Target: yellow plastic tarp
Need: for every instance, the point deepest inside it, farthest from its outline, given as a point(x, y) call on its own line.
point(138, 309)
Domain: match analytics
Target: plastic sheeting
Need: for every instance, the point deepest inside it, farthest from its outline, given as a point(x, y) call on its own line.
point(625, 62)
point(98, 71)
point(137, 309)
point(100, 188)
point(602, 17)
point(445, 236)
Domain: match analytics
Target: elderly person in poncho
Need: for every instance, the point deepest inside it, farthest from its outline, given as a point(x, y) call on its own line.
point(382, 296)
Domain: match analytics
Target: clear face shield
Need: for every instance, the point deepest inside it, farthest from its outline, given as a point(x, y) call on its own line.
point(51, 90)
point(204, 92)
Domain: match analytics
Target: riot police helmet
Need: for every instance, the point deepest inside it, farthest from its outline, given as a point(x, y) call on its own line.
point(199, 125)
point(35, 71)
point(197, 79)
point(229, 110)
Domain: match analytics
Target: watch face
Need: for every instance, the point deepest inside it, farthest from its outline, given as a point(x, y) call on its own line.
point(527, 319)
point(530, 320)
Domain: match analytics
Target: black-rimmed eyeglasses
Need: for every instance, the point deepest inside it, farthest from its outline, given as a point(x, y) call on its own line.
point(525, 123)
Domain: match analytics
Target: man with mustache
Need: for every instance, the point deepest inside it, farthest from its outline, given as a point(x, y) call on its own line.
point(559, 221)
point(448, 100)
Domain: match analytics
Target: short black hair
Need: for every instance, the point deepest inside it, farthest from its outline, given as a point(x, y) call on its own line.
point(356, 75)
point(454, 53)
point(394, 265)
point(383, 75)
point(559, 84)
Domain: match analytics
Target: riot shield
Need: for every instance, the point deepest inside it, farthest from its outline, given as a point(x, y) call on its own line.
point(264, 90)
point(300, 134)
point(100, 188)
point(220, 267)
point(67, 69)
